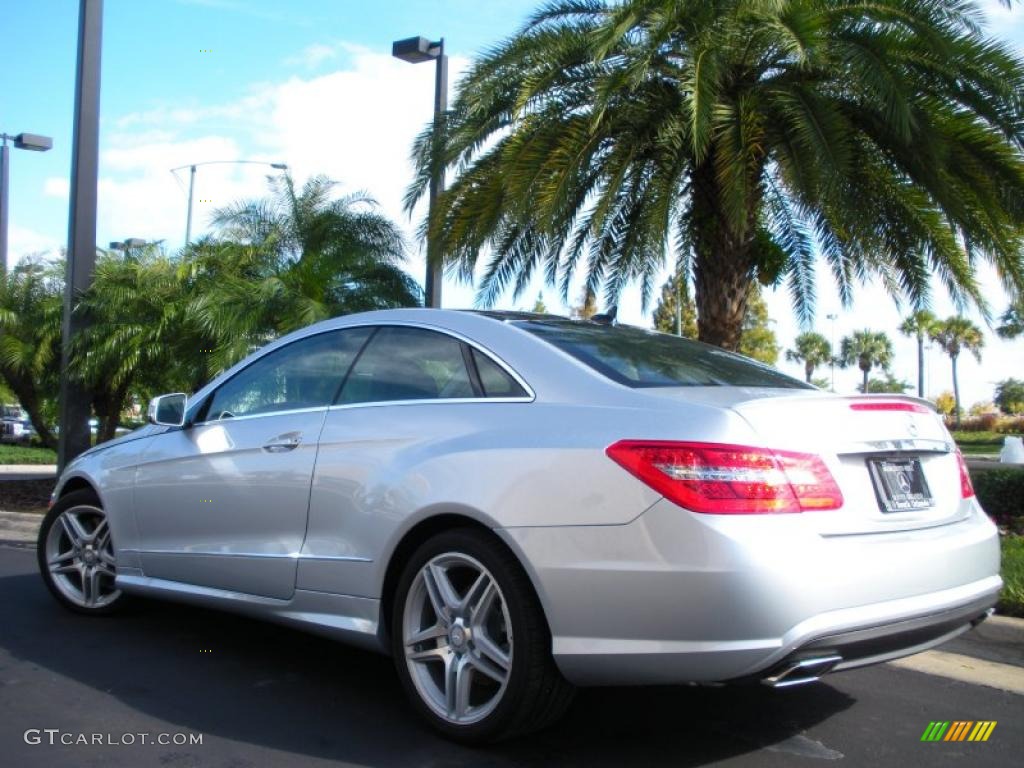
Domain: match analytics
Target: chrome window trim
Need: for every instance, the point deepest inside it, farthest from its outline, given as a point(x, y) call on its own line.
point(432, 401)
point(260, 415)
point(529, 398)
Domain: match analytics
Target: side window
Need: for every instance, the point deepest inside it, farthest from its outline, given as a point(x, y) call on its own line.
point(403, 363)
point(494, 379)
point(304, 374)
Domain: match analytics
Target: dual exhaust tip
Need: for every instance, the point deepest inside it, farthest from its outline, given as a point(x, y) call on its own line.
point(801, 671)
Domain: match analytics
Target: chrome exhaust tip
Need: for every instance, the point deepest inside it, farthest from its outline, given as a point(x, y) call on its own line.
point(801, 671)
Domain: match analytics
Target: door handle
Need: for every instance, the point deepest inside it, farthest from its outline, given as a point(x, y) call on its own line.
point(289, 441)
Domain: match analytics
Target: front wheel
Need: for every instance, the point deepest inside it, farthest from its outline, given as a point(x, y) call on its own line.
point(470, 642)
point(76, 555)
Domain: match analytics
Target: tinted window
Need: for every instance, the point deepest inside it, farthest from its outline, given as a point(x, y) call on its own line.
point(304, 374)
point(408, 364)
point(494, 379)
point(639, 358)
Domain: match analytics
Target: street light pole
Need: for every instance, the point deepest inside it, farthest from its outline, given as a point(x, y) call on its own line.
point(191, 192)
point(5, 159)
point(415, 50)
point(832, 361)
point(21, 141)
point(192, 183)
point(75, 399)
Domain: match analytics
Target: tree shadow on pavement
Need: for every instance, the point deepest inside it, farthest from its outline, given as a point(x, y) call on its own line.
point(274, 687)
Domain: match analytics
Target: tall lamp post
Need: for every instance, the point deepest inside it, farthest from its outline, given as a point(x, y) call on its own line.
point(21, 141)
point(75, 398)
point(192, 182)
point(832, 362)
point(416, 50)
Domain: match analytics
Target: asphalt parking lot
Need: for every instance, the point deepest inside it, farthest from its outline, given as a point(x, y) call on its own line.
point(266, 695)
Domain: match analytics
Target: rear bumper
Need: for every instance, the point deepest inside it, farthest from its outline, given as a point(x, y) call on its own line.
point(851, 648)
point(675, 597)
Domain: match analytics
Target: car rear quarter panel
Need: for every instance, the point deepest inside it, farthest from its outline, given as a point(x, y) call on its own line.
point(382, 469)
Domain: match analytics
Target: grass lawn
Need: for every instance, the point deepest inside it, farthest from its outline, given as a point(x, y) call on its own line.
point(1011, 601)
point(23, 454)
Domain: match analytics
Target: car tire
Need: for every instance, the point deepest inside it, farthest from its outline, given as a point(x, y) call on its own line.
point(491, 616)
point(76, 556)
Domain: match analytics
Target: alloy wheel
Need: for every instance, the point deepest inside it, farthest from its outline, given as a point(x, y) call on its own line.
point(80, 557)
point(457, 638)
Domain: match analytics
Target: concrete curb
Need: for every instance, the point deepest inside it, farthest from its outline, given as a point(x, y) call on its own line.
point(19, 526)
point(966, 669)
point(28, 472)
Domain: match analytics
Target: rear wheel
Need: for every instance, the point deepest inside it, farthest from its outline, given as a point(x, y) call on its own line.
point(76, 555)
point(470, 642)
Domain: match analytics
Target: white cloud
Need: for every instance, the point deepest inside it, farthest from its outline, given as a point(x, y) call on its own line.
point(22, 242)
point(355, 125)
point(312, 56)
point(57, 186)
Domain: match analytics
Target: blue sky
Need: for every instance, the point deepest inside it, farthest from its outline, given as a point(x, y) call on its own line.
point(152, 61)
point(310, 83)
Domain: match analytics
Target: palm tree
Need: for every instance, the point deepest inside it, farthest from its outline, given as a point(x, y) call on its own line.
point(30, 327)
point(141, 337)
point(919, 325)
point(294, 258)
point(956, 334)
point(745, 137)
point(866, 349)
point(812, 349)
point(1012, 320)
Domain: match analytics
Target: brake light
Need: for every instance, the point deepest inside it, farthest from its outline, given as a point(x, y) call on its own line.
point(913, 407)
point(966, 487)
point(730, 479)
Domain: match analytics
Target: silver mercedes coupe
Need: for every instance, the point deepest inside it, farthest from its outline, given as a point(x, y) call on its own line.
point(512, 505)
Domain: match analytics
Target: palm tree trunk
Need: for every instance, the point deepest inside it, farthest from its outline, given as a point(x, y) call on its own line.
point(864, 386)
point(920, 364)
point(108, 406)
point(808, 371)
point(722, 264)
point(956, 391)
point(29, 401)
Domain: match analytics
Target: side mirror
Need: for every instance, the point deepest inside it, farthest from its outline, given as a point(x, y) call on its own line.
point(167, 410)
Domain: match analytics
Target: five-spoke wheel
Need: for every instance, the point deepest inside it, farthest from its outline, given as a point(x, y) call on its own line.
point(458, 642)
point(76, 554)
point(470, 642)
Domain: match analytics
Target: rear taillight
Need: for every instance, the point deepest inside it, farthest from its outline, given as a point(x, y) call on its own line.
point(966, 488)
point(730, 479)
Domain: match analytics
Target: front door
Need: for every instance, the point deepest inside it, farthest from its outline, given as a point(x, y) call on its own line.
point(224, 503)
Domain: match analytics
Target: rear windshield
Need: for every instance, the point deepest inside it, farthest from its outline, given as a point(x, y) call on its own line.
point(640, 358)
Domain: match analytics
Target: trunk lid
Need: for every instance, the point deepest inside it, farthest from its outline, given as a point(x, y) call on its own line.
point(860, 438)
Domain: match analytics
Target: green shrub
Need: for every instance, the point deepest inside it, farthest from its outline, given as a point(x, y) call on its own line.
point(1010, 425)
point(1011, 599)
point(1001, 494)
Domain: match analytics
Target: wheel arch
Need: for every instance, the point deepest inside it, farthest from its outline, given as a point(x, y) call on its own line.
point(419, 532)
point(79, 483)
